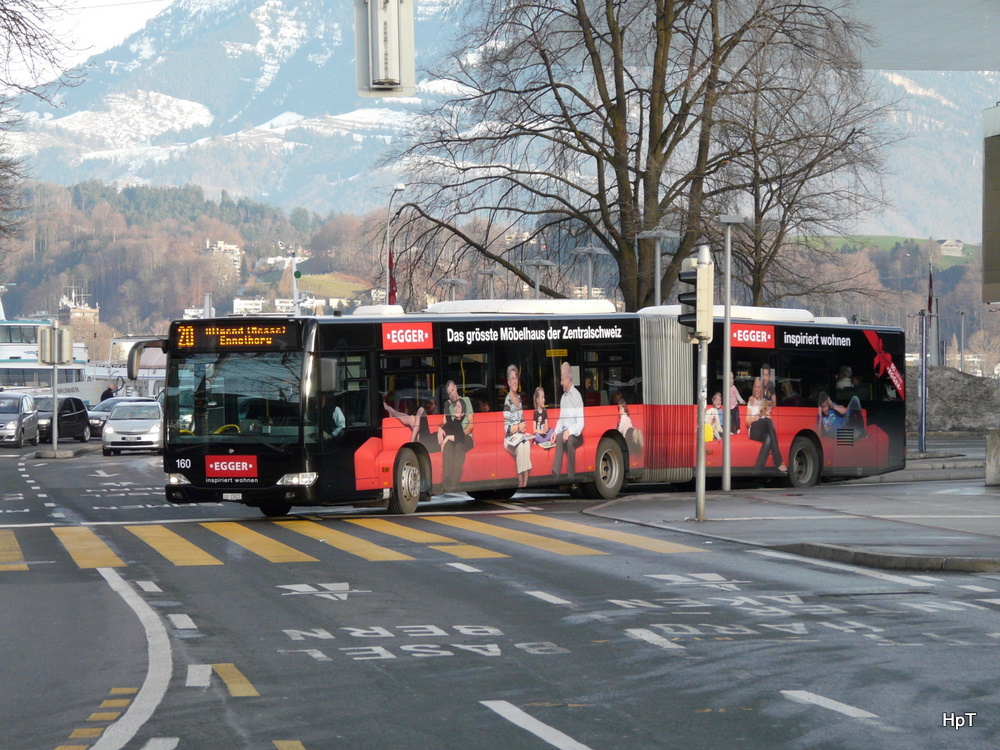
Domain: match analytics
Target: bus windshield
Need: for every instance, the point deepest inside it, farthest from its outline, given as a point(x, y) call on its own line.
point(232, 395)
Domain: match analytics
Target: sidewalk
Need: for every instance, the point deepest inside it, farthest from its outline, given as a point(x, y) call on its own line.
point(911, 526)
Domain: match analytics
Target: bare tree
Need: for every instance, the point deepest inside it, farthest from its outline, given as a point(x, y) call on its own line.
point(30, 65)
point(594, 120)
point(807, 145)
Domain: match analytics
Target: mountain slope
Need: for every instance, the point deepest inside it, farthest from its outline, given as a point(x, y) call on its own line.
point(257, 97)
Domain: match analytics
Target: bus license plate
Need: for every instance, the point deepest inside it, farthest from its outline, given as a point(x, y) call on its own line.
point(232, 495)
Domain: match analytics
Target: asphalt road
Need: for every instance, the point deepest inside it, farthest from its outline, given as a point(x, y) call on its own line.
point(132, 624)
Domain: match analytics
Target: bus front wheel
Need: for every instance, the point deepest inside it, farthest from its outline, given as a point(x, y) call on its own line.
point(609, 472)
point(276, 509)
point(408, 485)
point(803, 463)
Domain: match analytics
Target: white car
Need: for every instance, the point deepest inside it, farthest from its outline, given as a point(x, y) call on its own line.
point(133, 426)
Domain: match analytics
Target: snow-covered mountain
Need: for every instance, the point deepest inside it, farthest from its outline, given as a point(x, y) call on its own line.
point(256, 97)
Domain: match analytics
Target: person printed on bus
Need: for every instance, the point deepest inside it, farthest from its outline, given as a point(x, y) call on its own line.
point(754, 402)
point(420, 430)
point(540, 418)
point(454, 444)
point(735, 399)
point(713, 418)
point(516, 441)
point(761, 430)
point(569, 427)
point(832, 417)
point(451, 390)
point(631, 433)
point(766, 384)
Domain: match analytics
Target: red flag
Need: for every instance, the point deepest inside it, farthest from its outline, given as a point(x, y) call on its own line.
point(930, 289)
point(392, 281)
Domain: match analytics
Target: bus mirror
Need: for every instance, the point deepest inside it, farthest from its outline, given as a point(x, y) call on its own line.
point(135, 355)
point(328, 374)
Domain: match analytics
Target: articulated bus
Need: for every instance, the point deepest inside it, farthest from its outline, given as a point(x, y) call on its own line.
point(489, 397)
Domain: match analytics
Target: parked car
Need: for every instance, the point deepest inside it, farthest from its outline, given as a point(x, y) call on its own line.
point(73, 419)
point(98, 413)
point(133, 425)
point(18, 419)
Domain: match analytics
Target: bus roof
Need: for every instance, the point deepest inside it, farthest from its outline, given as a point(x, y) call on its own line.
point(524, 307)
point(742, 312)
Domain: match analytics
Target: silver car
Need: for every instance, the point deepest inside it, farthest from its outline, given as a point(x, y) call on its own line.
point(133, 426)
point(18, 419)
point(98, 413)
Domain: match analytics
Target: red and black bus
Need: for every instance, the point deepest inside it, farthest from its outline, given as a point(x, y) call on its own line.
point(494, 396)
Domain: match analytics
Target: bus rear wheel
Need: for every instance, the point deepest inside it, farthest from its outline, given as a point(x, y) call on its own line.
point(609, 472)
point(408, 487)
point(803, 463)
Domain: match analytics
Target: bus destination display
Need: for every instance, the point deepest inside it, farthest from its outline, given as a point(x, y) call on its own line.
point(245, 336)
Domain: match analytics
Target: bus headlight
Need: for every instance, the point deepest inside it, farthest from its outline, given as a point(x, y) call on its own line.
point(302, 479)
point(176, 479)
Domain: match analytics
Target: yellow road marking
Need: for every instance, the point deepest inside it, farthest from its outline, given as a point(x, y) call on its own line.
point(79, 734)
point(434, 541)
point(255, 542)
point(11, 557)
point(172, 546)
point(520, 537)
point(116, 703)
point(239, 686)
point(342, 541)
point(289, 745)
point(86, 548)
point(124, 691)
point(104, 716)
point(622, 537)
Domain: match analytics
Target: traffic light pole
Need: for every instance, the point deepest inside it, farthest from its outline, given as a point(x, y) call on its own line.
point(697, 313)
point(699, 482)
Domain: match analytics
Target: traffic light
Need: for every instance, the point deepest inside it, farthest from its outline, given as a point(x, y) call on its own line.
point(55, 345)
point(696, 304)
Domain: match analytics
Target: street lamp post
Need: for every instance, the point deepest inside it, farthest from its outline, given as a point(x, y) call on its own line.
point(961, 342)
point(491, 273)
point(538, 265)
point(451, 284)
point(728, 221)
point(589, 251)
point(388, 221)
point(657, 234)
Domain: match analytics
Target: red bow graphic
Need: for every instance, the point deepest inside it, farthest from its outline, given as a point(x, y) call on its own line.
point(883, 362)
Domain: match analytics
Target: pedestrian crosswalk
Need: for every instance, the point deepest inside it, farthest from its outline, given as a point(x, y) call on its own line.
point(307, 541)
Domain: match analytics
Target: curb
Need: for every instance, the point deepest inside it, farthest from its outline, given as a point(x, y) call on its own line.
point(890, 561)
point(61, 453)
point(922, 475)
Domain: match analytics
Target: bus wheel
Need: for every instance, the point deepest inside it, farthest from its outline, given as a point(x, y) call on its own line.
point(803, 463)
point(276, 509)
point(408, 483)
point(609, 474)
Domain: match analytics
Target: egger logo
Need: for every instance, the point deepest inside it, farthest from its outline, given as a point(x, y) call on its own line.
point(230, 466)
point(407, 336)
point(753, 336)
